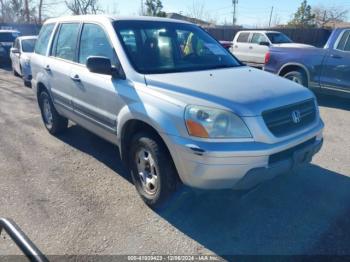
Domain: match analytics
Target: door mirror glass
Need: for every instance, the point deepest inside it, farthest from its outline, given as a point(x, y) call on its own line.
point(99, 65)
point(264, 43)
point(14, 50)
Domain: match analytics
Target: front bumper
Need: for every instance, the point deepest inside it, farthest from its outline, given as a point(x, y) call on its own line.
point(241, 165)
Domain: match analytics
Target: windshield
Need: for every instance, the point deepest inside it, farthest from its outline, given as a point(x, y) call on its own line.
point(278, 38)
point(163, 47)
point(8, 37)
point(28, 45)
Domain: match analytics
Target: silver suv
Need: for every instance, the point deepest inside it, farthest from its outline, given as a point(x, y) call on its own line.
point(180, 107)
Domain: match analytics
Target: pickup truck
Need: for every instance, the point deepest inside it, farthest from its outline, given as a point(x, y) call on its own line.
point(250, 47)
point(324, 69)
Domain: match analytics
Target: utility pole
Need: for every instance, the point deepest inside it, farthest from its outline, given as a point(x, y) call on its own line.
point(142, 8)
point(234, 3)
point(271, 16)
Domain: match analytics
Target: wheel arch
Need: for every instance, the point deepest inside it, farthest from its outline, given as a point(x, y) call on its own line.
point(294, 67)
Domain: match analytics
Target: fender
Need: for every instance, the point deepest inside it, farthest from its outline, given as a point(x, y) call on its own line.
point(296, 64)
point(149, 114)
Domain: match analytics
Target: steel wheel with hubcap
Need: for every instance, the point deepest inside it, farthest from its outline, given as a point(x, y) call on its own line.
point(54, 123)
point(152, 169)
point(297, 77)
point(147, 170)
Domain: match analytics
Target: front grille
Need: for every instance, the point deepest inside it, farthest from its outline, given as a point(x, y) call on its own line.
point(280, 121)
point(288, 154)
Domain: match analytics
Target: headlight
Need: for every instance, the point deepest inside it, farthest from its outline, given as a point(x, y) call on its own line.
point(2, 49)
point(207, 122)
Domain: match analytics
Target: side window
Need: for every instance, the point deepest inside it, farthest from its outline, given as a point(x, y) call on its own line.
point(43, 39)
point(66, 42)
point(258, 38)
point(243, 38)
point(344, 42)
point(94, 42)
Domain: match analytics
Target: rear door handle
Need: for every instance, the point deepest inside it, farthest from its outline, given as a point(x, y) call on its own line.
point(75, 78)
point(250, 47)
point(47, 68)
point(336, 56)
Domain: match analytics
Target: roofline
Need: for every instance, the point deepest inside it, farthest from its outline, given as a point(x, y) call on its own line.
point(110, 18)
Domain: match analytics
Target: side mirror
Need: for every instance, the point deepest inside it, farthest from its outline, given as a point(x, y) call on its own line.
point(15, 50)
point(264, 43)
point(99, 65)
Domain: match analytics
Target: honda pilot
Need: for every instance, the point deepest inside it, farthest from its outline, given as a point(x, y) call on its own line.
point(179, 106)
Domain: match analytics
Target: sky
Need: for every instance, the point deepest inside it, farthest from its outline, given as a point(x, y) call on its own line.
point(249, 12)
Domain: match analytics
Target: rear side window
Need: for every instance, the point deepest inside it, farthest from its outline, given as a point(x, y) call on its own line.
point(66, 41)
point(243, 38)
point(44, 38)
point(344, 43)
point(94, 42)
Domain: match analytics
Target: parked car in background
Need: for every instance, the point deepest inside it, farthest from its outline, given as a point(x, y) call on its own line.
point(325, 69)
point(20, 55)
point(7, 38)
point(179, 105)
point(226, 44)
point(251, 46)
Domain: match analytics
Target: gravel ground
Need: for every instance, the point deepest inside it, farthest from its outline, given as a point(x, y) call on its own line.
point(71, 195)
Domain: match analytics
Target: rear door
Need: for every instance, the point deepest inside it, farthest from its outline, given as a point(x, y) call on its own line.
point(60, 62)
point(241, 46)
point(257, 51)
point(336, 68)
point(96, 96)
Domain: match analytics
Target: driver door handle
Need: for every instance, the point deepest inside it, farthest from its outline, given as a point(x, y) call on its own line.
point(47, 68)
point(75, 78)
point(336, 56)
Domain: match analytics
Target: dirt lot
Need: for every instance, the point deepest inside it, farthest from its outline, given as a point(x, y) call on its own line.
point(72, 196)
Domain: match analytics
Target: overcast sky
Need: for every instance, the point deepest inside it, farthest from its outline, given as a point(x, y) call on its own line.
point(249, 12)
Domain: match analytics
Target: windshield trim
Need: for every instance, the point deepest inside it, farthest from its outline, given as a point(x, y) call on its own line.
point(172, 70)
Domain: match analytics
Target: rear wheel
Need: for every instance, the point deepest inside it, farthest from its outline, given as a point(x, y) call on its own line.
point(54, 123)
point(152, 169)
point(297, 77)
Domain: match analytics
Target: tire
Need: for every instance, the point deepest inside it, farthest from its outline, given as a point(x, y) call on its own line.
point(152, 169)
point(27, 83)
point(53, 122)
point(298, 77)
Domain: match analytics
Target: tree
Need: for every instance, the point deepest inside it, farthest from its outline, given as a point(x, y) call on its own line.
point(197, 10)
point(326, 15)
point(83, 7)
point(304, 17)
point(154, 8)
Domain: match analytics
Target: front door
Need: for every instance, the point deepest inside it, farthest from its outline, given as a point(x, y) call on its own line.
point(336, 68)
point(96, 100)
point(257, 50)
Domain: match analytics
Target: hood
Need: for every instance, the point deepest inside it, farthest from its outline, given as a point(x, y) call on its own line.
point(294, 45)
point(243, 90)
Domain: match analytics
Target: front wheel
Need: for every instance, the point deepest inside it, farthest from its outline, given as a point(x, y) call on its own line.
point(297, 77)
point(152, 169)
point(54, 123)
